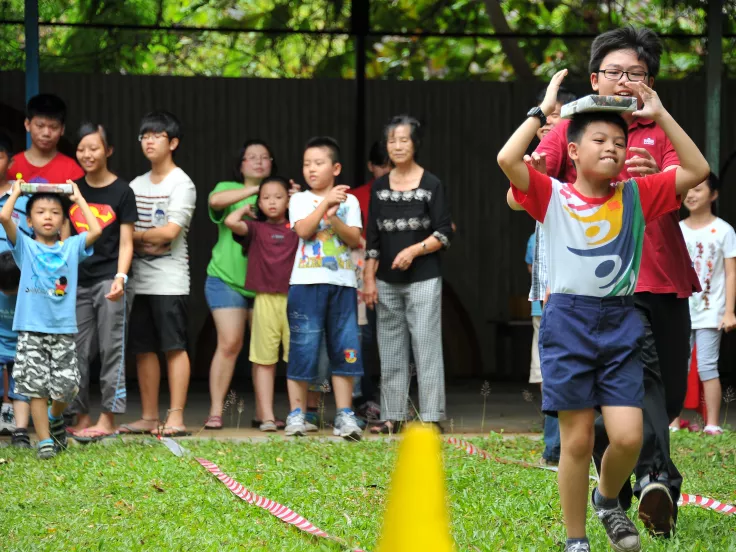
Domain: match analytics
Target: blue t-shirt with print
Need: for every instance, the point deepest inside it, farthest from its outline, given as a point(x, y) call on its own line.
point(9, 338)
point(47, 294)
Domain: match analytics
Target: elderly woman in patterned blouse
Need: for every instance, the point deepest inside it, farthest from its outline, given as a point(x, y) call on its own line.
point(408, 223)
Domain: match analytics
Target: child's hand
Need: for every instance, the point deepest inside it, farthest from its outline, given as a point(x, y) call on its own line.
point(15, 192)
point(728, 323)
point(76, 195)
point(332, 211)
point(337, 195)
point(294, 188)
point(116, 290)
point(249, 212)
point(652, 108)
point(537, 161)
point(642, 163)
point(550, 98)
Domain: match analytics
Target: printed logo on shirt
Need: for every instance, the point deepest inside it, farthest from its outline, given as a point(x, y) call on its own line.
point(351, 356)
point(49, 276)
point(326, 249)
point(648, 141)
point(103, 213)
point(159, 214)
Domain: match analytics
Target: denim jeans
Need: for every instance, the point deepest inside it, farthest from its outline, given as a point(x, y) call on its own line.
point(551, 439)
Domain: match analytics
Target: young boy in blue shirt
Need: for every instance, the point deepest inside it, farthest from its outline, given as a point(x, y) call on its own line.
point(591, 331)
point(45, 316)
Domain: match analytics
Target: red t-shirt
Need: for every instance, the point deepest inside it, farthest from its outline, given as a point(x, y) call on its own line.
point(57, 171)
point(363, 195)
point(666, 266)
point(271, 250)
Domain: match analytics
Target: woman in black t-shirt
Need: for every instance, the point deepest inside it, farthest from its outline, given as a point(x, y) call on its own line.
point(408, 223)
point(103, 304)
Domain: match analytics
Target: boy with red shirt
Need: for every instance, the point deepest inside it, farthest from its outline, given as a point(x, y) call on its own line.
point(666, 279)
point(45, 118)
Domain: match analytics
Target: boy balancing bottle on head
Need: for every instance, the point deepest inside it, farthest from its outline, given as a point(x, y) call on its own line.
point(595, 235)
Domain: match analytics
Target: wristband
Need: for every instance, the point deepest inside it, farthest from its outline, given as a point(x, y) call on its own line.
point(123, 276)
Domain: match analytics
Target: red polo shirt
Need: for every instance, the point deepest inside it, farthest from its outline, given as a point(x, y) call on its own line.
point(666, 266)
point(363, 194)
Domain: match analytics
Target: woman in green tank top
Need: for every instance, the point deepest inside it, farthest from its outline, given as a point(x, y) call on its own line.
point(231, 304)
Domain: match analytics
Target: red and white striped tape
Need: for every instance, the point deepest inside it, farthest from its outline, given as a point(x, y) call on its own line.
point(282, 512)
point(685, 499)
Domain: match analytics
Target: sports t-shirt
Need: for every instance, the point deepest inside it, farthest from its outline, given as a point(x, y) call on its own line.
point(57, 171)
point(666, 265)
point(171, 200)
point(47, 294)
point(271, 248)
point(594, 244)
point(708, 247)
point(324, 258)
point(227, 263)
point(112, 205)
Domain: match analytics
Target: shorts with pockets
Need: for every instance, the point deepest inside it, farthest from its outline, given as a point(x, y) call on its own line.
point(219, 295)
point(46, 366)
point(270, 329)
point(591, 353)
point(158, 323)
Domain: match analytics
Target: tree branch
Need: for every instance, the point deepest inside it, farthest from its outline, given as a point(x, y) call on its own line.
point(513, 52)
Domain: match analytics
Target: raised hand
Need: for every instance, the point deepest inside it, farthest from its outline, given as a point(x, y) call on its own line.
point(337, 195)
point(550, 98)
point(537, 161)
point(642, 163)
point(76, 195)
point(294, 188)
point(652, 107)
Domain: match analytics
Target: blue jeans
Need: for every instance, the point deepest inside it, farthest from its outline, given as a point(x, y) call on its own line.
point(315, 310)
point(219, 295)
point(551, 439)
point(7, 364)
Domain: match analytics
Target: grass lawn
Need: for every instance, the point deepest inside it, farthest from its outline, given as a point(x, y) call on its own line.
point(136, 495)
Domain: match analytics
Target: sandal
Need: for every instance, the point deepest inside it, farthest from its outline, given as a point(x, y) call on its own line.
point(256, 424)
point(387, 428)
point(131, 429)
point(213, 422)
point(171, 431)
point(268, 426)
point(91, 435)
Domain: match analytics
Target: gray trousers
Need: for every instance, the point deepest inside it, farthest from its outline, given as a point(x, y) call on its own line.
point(410, 315)
point(102, 329)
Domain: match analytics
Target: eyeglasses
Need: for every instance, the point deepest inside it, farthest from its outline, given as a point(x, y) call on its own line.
point(254, 158)
point(156, 136)
point(616, 74)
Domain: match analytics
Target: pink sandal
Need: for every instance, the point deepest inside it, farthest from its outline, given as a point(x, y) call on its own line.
point(213, 422)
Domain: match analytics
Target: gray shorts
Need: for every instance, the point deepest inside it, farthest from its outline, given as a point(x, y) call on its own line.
point(46, 366)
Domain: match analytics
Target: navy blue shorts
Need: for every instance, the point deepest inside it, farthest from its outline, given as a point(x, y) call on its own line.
point(590, 349)
point(315, 310)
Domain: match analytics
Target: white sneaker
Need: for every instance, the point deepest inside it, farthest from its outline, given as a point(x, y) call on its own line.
point(346, 426)
point(295, 426)
point(7, 419)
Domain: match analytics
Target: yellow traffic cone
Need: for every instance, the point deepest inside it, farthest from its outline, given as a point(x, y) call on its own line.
point(416, 517)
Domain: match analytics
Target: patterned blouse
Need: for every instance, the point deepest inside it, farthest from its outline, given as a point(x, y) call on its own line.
point(397, 220)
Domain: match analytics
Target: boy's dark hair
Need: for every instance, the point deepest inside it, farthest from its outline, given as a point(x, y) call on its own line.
point(88, 128)
point(580, 122)
point(6, 144)
point(415, 130)
point(46, 105)
point(161, 121)
point(325, 142)
point(644, 42)
point(237, 170)
point(564, 96)
point(270, 180)
point(378, 155)
point(51, 197)
point(9, 272)
point(713, 183)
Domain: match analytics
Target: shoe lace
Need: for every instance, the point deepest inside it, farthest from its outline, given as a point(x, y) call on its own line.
point(617, 523)
point(578, 547)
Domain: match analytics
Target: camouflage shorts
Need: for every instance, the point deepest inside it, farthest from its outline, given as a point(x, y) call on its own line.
point(46, 366)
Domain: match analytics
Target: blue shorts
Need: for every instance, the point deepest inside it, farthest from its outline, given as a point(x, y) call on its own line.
point(591, 353)
point(219, 295)
point(7, 364)
point(323, 308)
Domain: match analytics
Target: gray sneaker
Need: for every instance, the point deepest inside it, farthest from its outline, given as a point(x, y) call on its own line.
point(295, 426)
point(621, 531)
point(346, 426)
point(578, 547)
point(7, 420)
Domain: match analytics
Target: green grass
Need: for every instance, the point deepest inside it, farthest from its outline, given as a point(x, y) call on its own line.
point(138, 496)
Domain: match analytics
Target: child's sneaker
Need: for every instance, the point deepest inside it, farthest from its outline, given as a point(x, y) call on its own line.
point(713, 430)
point(57, 428)
point(621, 531)
point(577, 546)
point(46, 449)
point(346, 425)
point(311, 421)
point(7, 419)
point(295, 424)
point(20, 438)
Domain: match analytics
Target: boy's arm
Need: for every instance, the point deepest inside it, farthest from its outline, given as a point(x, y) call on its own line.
point(349, 234)
point(693, 168)
point(729, 318)
point(511, 156)
point(234, 221)
point(95, 230)
point(6, 215)
point(306, 227)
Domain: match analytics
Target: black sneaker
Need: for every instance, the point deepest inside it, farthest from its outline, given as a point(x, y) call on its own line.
point(46, 449)
point(577, 547)
point(19, 438)
point(621, 531)
point(656, 509)
point(57, 428)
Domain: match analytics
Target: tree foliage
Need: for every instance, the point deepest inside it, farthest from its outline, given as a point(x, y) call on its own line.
point(250, 53)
